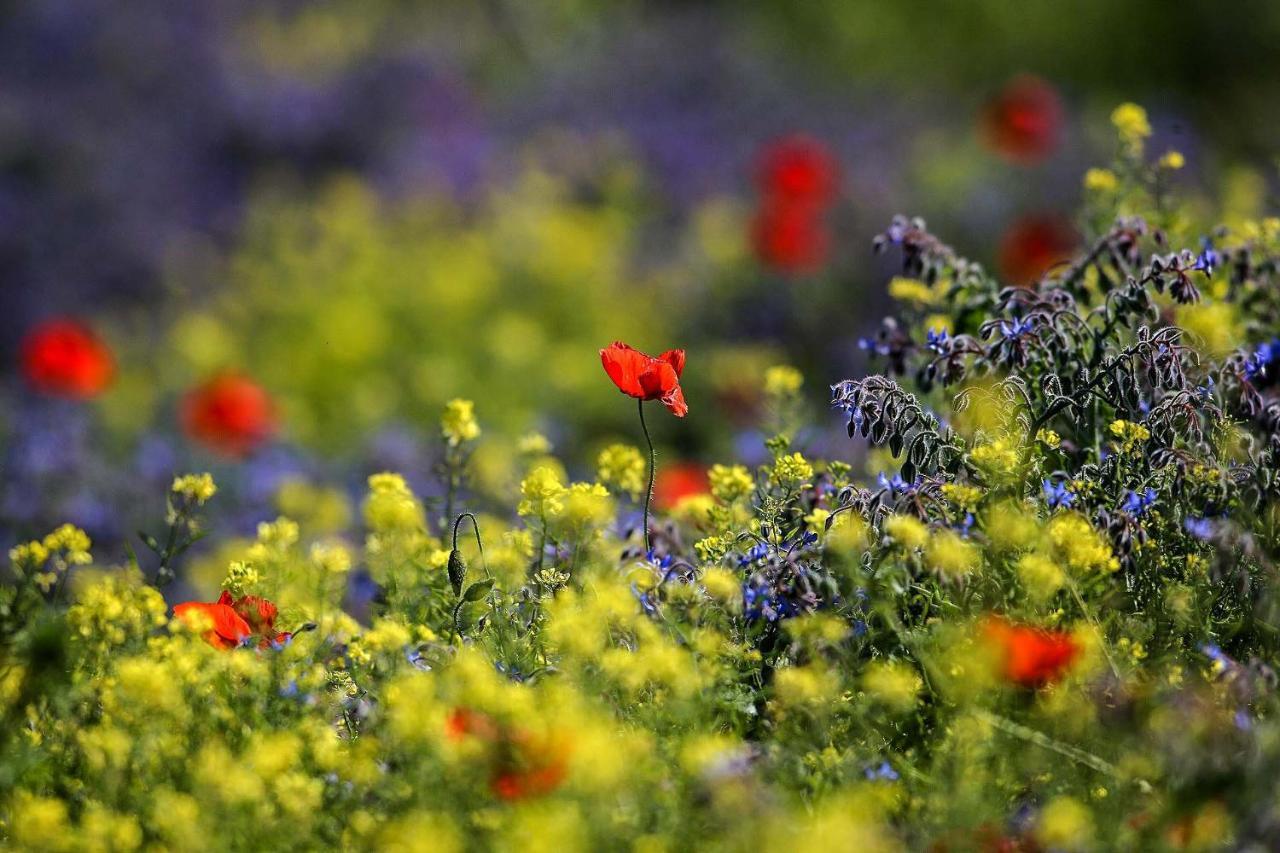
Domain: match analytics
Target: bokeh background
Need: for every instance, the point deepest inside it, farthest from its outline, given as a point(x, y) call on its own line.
point(371, 208)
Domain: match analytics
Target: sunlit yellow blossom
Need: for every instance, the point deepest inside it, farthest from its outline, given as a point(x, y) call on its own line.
point(951, 556)
point(621, 467)
point(1100, 180)
point(1131, 435)
point(1130, 122)
point(907, 530)
point(730, 482)
point(542, 493)
point(895, 684)
point(196, 488)
point(458, 423)
point(533, 444)
point(782, 380)
point(1065, 824)
point(792, 470)
point(391, 506)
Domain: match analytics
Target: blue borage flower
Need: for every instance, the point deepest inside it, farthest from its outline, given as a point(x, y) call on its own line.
point(898, 486)
point(1057, 495)
point(1015, 329)
point(760, 600)
point(937, 340)
point(1200, 528)
point(1209, 257)
point(1137, 504)
point(883, 772)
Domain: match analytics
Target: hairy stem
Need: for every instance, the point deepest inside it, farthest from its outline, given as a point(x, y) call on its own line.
point(475, 525)
point(653, 462)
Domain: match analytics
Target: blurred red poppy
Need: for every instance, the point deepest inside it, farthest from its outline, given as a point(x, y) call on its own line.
point(790, 238)
point(1030, 657)
point(230, 413)
point(65, 358)
point(797, 169)
point(645, 377)
point(522, 765)
point(678, 481)
point(1023, 123)
point(1034, 245)
point(234, 621)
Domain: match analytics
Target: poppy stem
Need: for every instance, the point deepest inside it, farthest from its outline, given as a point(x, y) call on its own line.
point(475, 525)
point(648, 493)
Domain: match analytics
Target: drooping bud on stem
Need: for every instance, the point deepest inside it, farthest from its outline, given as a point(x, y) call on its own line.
point(458, 565)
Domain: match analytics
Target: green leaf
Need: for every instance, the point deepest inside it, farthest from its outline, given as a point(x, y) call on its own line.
point(478, 590)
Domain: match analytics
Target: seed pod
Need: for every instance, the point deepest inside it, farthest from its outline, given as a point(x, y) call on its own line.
point(457, 571)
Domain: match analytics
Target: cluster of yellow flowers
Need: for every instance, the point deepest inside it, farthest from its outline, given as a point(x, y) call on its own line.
point(621, 467)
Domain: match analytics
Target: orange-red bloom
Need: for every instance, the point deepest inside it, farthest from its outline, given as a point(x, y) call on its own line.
point(797, 169)
point(1030, 657)
point(234, 621)
point(1023, 123)
point(790, 237)
point(230, 413)
point(676, 482)
point(645, 377)
point(65, 358)
point(1034, 245)
point(522, 765)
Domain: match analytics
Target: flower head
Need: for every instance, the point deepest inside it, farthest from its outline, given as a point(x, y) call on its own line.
point(65, 358)
point(1023, 123)
point(231, 622)
point(645, 377)
point(797, 169)
point(229, 413)
point(1033, 245)
point(1030, 657)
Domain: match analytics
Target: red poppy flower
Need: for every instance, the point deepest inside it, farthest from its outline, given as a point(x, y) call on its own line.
point(797, 169)
point(230, 413)
point(1033, 246)
point(234, 621)
point(1030, 657)
point(522, 765)
point(64, 358)
point(790, 237)
point(676, 482)
point(1023, 123)
point(645, 377)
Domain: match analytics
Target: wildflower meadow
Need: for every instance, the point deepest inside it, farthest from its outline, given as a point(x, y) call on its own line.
point(557, 513)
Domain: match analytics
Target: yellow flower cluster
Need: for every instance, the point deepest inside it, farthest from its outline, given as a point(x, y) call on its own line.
point(906, 530)
point(1078, 545)
point(1101, 181)
point(621, 467)
point(1130, 434)
point(195, 488)
point(1132, 126)
point(541, 492)
point(730, 482)
point(114, 608)
point(792, 470)
point(781, 381)
point(391, 506)
point(951, 556)
point(458, 423)
point(917, 292)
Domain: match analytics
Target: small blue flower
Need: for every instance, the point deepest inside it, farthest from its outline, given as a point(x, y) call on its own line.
point(1057, 495)
point(1200, 528)
point(1015, 329)
point(884, 772)
point(1137, 504)
point(937, 340)
point(1243, 721)
point(1209, 257)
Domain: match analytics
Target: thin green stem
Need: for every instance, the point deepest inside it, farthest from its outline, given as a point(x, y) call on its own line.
point(475, 525)
point(648, 493)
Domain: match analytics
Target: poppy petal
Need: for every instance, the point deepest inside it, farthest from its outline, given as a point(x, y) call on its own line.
point(675, 358)
point(624, 366)
point(674, 401)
